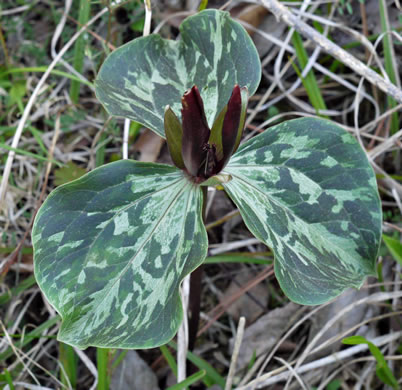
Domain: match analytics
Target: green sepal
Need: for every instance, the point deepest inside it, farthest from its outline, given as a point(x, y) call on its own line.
point(216, 133)
point(244, 103)
point(174, 135)
point(217, 180)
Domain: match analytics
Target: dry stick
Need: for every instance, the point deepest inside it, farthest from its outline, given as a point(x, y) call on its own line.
point(94, 34)
point(56, 35)
point(88, 363)
point(182, 335)
point(145, 32)
point(35, 93)
point(235, 355)
point(374, 298)
point(283, 13)
point(295, 374)
point(366, 34)
point(217, 311)
point(288, 333)
point(21, 354)
point(331, 359)
point(220, 309)
point(384, 146)
point(222, 220)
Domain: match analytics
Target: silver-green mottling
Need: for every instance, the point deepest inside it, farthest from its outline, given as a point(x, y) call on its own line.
point(111, 249)
point(306, 189)
point(139, 79)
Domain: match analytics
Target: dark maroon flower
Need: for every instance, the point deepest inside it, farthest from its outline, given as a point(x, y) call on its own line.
point(194, 147)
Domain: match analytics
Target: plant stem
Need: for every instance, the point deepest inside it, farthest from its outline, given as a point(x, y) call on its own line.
point(68, 358)
point(102, 355)
point(194, 305)
point(195, 289)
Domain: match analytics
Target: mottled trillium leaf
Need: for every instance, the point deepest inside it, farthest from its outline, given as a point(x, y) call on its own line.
point(214, 53)
point(306, 189)
point(111, 249)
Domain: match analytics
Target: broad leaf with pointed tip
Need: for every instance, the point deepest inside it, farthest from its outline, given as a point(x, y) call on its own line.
point(306, 189)
point(214, 53)
point(111, 249)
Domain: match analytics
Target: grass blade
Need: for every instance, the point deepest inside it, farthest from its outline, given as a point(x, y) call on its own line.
point(35, 334)
point(188, 381)
point(8, 379)
point(309, 82)
point(43, 69)
point(169, 358)
point(85, 7)
point(383, 371)
point(389, 55)
point(22, 286)
point(236, 258)
point(394, 246)
point(69, 360)
point(212, 376)
point(29, 154)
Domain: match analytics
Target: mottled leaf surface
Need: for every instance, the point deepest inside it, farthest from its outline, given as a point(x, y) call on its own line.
point(111, 249)
point(306, 189)
point(214, 52)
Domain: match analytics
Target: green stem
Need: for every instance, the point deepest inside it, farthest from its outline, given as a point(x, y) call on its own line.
point(68, 359)
point(102, 358)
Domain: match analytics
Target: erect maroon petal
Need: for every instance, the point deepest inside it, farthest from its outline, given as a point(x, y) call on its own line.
point(195, 130)
point(231, 126)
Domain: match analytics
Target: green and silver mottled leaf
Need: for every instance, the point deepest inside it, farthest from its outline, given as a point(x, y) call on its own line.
point(306, 189)
point(139, 79)
point(111, 249)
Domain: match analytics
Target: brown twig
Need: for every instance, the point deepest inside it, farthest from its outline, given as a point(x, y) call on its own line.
point(218, 310)
point(283, 13)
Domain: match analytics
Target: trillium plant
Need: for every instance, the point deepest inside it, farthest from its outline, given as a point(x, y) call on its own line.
point(112, 247)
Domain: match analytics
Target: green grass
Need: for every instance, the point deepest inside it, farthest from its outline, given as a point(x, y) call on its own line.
point(28, 337)
point(237, 258)
point(188, 381)
point(171, 361)
point(389, 64)
point(102, 359)
point(7, 378)
point(20, 288)
point(79, 49)
point(212, 376)
point(310, 81)
point(69, 361)
point(29, 154)
point(43, 69)
point(382, 370)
